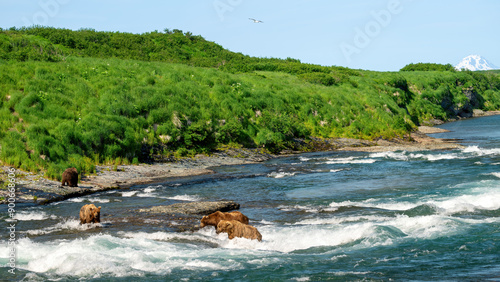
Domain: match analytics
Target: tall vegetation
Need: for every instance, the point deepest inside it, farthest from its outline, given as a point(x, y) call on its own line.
point(80, 98)
point(428, 67)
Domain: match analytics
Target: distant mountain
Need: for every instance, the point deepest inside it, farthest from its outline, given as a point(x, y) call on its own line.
point(475, 62)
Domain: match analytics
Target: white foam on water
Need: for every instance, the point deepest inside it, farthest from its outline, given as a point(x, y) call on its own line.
point(104, 255)
point(323, 232)
point(303, 278)
point(129, 194)
point(148, 192)
point(312, 209)
point(373, 203)
point(470, 203)
point(350, 160)
point(91, 200)
point(400, 156)
point(280, 174)
point(344, 273)
point(304, 159)
point(496, 174)
point(290, 238)
point(334, 220)
point(33, 215)
point(337, 257)
point(438, 157)
point(65, 225)
point(159, 253)
point(407, 156)
point(481, 195)
point(187, 198)
point(366, 229)
point(266, 222)
point(475, 150)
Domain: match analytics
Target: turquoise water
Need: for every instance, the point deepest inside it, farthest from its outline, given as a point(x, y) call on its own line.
point(323, 216)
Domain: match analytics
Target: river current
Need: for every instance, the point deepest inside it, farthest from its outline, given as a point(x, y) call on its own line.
point(428, 215)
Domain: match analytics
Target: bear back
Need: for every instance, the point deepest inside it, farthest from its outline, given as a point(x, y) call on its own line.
point(214, 218)
point(234, 229)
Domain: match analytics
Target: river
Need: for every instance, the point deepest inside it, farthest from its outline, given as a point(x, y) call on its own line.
point(429, 215)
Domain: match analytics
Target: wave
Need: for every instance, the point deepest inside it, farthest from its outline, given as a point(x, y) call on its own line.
point(377, 231)
point(188, 198)
point(159, 253)
point(280, 174)
point(68, 224)
point(408, 156)
point(33, 215)
point(350, 160)
point(496, 174)
point(304, 159)
point(129, 194)
point(477, 151)
point(480, 196)
point(468, 152)
point(147, 192)
point(111, 256)
point(89, 199)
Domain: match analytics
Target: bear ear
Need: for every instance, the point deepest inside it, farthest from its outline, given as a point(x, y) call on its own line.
point(99, 208)
point(229, 224)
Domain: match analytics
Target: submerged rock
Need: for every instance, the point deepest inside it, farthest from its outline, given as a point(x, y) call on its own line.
point(198, 208)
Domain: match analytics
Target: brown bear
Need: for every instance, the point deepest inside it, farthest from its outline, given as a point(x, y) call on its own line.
point(90, 214)
point(70, 176)
point(235, 228)
point(214, 218)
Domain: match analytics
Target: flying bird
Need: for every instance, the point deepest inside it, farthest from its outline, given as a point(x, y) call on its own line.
point(255, 21)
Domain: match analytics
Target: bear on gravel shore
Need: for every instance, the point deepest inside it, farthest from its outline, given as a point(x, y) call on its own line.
point(90, 214)
point(70, 176)
point(214, 218)
point(235, 228)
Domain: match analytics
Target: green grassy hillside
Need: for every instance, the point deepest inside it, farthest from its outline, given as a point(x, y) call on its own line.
point(79, 98)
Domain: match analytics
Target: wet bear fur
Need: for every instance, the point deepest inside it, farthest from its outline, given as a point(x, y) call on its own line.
point(90, 214)
point(235, 229)
point(214, 218)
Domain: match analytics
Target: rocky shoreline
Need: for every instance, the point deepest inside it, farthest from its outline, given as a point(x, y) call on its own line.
point(33, 188)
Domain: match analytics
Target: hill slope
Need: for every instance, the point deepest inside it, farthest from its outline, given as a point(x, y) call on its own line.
point(67, 104)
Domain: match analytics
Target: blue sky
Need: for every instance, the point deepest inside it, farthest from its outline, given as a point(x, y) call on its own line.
point(382, 35)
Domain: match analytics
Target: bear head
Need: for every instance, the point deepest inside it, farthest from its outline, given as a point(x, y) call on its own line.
point(211, 219)
point(96, 214)
point(224, 226)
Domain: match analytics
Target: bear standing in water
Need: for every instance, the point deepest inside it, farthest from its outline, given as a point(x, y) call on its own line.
point(70, 176)
point(90, 214)
point(235, 229)
point(214, 218)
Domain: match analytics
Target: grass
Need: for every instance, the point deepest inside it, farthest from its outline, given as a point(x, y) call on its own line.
point(60, 107)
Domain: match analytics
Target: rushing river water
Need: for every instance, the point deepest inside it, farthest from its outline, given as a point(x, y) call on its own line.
point(430, 215)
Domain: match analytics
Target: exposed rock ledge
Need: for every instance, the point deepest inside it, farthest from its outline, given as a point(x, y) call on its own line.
point(195, 208)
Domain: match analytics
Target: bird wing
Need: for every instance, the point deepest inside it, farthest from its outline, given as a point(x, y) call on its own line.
point(255, 21)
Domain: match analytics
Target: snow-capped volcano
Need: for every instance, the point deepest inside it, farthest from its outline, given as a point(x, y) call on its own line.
point(475, 62)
